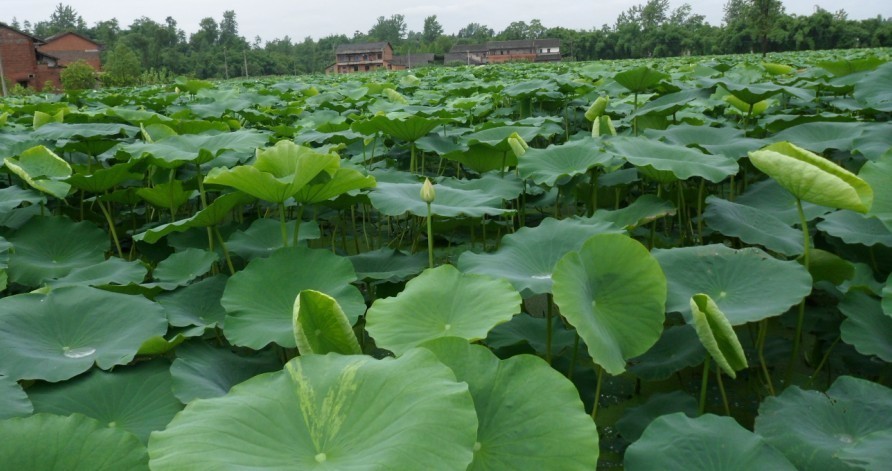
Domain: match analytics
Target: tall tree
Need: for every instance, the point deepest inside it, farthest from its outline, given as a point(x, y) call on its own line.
point(476, 32)
point(766, 14)
point(432, 29)
point(391, 29)
point(64, 18)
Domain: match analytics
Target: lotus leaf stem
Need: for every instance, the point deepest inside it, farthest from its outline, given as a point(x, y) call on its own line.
point(806, 257)
point(597, 392)
point(760, 346)
point(549, 328)
point(718, 378)
point(111, 226)
point(704, 382)
point(430, 238)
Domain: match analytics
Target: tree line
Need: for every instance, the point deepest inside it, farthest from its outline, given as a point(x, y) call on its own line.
point(147, 51)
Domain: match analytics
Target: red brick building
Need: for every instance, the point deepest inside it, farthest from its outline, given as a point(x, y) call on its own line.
point(23, 64)
point(493, 52)
point(366, 57)
point(71, 47)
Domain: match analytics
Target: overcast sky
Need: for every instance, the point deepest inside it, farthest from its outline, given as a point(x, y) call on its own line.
point(297, 19)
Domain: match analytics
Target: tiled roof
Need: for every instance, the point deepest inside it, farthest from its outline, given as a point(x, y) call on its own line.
point(361, 47)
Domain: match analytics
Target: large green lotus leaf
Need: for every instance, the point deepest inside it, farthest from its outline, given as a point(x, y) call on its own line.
point(717, 335)
point(170, 195)
point(879, 175)
point(175, 151)
point(278, 172)
point(827, 266)
point(197, 304)
point(747, 285)
point(871, 451)
point(558, 163)
point(670, 103)
point(730, 142)
point(613, 291)
point(441, 302)
point(811, 427)
point(640, 79)
point(874, 90)
point(137, 399)
point(42, 169)
point(328, 412)
point(636, 419)
point(682, 162)
point(867, 327)
point(344, 180)
point(526, 329)
point(527, 257)
point(73, 443)
point(678, 442)
point(66, 131)
point(887, 295)
point(497, 137)
point(483, 158)
point(768, 196)
point(820, 136)
point(13, 400)
point(678, 348)
point(112, 271)
point(753, 226)
point(506, 187)
point(102, 179)
point(51, 247)
point(521, 428)
point(13, 196)
point(395, 199)
point(752, 93)
point(645, 209)
point(259, 300)
point(855, 228)
point(182, 267)
point(264, 236)
point(213, 214)
point(845, 66)
point(60, 335)
point(203, 371)
point(813, 178)
point(401, 125)
point(388, 265)
point(321, 327)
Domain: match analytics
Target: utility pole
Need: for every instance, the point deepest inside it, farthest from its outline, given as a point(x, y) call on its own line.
point(245, 56)
point(225, 64)
point(2, 77)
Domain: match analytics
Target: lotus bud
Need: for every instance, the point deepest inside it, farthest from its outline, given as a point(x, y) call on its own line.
point(428, 194)
point(597, 108)
point(395, 96)
point(176, 89)
point(518, 145)
point(603, 125)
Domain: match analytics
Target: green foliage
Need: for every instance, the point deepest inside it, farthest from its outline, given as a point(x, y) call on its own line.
point(122, 67)
point(78, 76)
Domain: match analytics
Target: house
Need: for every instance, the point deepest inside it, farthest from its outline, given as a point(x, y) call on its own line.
point(412, 60)
point(493, 52)
point(22, 63)
point(365, 57)
point(71, 47)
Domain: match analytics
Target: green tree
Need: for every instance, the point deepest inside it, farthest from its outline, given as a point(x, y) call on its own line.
point(765, 14)
point(432, 29)
point(122, 67)
point(64, 18)
point(476, 32)
point(78, 76)
point(391, 29)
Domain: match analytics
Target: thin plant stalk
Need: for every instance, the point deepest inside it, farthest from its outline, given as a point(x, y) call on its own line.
point(760, 346)
point(573, 358)
point(718, 378)
point(703, 384)
point(549, 328)
point(225, 250)
point(430, 238)
point(111, 226)
point(282, 224)
point(597, 392)
point(823, 360)
point(300, 215)
point(806, 257)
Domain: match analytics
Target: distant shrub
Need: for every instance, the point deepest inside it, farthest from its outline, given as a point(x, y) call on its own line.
point(78, 76)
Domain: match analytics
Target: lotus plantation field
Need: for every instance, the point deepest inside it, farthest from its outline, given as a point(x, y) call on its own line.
point(665, 264)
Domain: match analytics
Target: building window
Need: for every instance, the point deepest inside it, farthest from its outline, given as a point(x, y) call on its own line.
point(367, 68)
point(356, 68)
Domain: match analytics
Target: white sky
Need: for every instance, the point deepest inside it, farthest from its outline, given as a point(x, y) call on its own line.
point(297, 19)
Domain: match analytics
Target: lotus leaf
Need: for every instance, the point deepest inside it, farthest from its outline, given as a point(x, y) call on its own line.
point(137, 399)
point(678, 348)
point(197, 304)
point(770, 197)
point(41, 253)
point(387, 265)
point(13, 400)
point(558, 163)
point(42, 169)
point(59, 335)
point(753, 226)
point(441, 302)
point(640, 79)
point(213, 214)
point(520, 428)
point(681, 161)
point(75, 443)
point(811, 428)
point(613, 291)
point(878, 174)
point(318, 414)
point(176, 151)
point(867, 327)
point(527, 257)
point(747, 285)
point(855, 228)
point(396, 199)
point(182, 267)
point(717, 335)
point(820, 136)
point(873, 89)
point(264, 236)
point(203, 371)
point(321, 327)
point(812, 178)
point(259, 300)
point(678, 442)
point(111, 271)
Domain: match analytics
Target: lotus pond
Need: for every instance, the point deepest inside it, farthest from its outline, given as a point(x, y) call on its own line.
point(673, 264)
